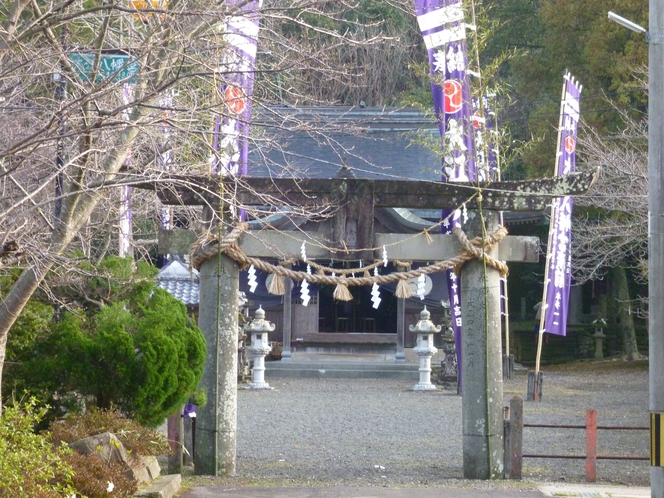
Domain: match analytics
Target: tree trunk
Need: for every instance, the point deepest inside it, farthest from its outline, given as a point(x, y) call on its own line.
point(603, 307)
point(626, 321)
point(76, 211)
point(12, 305)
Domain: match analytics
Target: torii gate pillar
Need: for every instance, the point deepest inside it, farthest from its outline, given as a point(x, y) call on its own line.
point(218, 320)
point(481, 360)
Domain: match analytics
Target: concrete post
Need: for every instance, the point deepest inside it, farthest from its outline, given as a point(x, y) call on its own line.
point(656, 223)
point(218, 319)
point(400, 357)
point(516, 438)
point(286, 354)
point(482, 402)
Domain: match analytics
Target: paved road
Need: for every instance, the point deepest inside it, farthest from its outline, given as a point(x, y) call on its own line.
point(343, 492)
point(475, 490)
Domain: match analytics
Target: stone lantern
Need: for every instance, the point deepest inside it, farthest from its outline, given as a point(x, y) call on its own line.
point(425, 330)
point(599, 336)
point(260, 346)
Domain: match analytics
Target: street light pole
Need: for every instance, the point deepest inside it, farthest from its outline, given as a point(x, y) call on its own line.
point(656, 230)
point(655, 237)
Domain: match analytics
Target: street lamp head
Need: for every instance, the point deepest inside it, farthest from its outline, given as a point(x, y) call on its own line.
point(627, 23)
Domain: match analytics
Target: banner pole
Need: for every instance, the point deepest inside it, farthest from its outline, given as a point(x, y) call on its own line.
point(548, 252)
point(502, 222)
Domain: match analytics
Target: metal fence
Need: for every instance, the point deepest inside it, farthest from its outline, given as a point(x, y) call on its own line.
point(514, 454)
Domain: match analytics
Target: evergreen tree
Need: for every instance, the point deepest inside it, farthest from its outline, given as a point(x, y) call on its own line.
point(141, 354)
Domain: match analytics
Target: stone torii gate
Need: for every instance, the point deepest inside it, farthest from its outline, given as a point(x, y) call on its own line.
point(351, 229)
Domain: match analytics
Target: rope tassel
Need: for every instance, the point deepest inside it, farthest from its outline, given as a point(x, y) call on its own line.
point(341, 292)
point(403, 289)
point(276, 287)
point(428, 237)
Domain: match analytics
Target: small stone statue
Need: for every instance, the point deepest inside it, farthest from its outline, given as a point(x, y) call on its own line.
point(449, 369)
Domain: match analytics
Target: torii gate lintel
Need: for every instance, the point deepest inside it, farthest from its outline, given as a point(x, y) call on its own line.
point(523, 195)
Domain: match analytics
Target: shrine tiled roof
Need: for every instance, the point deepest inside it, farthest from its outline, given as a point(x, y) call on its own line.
point(176, 278)
point(371, 142)
point(183, 284)
point(315, 142)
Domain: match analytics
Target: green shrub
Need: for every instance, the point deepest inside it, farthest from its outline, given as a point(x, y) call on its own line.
point(143, 356)
point(122, 342)
point(30, 465)
point(33, 320)
point(118, 279)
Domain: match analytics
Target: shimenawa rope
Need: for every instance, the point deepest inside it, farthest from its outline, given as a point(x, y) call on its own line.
point(206, 249)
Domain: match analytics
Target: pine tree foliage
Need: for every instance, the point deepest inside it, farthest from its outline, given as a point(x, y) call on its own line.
point(140, 352)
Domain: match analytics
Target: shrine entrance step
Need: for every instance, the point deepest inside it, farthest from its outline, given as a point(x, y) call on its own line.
point(370, 345)
point(341, 366)
point(342, 353)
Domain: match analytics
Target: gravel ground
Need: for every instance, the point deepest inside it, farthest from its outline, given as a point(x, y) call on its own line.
point(378, 432)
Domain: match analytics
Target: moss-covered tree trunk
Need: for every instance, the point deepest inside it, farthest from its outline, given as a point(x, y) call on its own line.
point(602, 315)
point(603, 307)
point(625, 319)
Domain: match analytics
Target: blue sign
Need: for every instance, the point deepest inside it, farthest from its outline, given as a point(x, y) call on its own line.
point(117, 67)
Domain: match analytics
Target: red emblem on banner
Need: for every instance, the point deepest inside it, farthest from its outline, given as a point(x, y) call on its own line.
point(453, 96)
point(478, 121)
point(570, 144)
point(236, 100)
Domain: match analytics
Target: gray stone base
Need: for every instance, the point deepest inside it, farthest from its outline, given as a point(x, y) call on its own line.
point(424, 387)
point(144, 470)
point(259, 385)
point(342, 370)
point(162, 487)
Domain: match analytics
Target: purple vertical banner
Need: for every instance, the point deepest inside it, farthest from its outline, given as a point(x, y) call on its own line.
point(126, 225)
point(444, 32)
point(231, 130)
point(479, 133)
point(503, 298)
point(558, 259)
point(165, 157)
point(489, 170)
point(165, 151)
point(491, 138)
point(486, 154)
point(125, 222)
point(486, 159)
